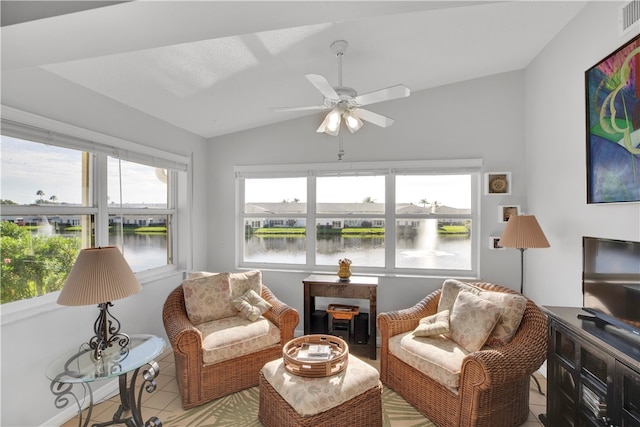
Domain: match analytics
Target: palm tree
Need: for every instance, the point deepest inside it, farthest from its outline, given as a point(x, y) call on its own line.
point(424, 203)
point(40, 193)
point(53, 198)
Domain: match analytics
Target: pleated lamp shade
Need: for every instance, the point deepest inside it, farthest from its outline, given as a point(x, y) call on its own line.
point(99, 275)
point(523, 232)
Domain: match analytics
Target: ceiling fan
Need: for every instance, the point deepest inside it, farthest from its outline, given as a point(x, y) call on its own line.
point(345, 103)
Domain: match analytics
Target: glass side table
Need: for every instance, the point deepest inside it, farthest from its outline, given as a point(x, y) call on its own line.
point(79, 367)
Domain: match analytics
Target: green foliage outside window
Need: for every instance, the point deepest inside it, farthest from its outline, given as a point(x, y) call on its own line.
point(33, 265)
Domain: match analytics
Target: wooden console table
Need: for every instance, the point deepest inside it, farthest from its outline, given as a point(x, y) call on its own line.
point(358, 287)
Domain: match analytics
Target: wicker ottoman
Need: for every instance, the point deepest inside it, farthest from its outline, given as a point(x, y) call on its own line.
point(351, 398)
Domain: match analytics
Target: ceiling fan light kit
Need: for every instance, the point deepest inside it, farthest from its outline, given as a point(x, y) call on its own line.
point(344, 103)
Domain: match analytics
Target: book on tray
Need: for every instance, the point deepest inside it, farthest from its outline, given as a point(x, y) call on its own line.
point(314, 352)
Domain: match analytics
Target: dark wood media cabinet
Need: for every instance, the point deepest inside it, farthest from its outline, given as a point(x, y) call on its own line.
point(593, 373)
point(359, 287)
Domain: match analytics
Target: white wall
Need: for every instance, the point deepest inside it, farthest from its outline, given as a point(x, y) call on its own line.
point(482, 118)
point(556, 156)
point(30, 343)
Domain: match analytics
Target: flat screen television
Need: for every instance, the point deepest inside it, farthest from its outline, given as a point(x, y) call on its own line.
point(611, 282)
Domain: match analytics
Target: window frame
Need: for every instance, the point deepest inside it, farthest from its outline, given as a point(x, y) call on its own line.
point(390, 170)
point(29, 127)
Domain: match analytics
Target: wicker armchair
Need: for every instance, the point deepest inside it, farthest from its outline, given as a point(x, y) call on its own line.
point(494, 383)
point(199, 383)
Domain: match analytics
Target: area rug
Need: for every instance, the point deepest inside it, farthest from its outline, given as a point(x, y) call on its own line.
point(241, 409)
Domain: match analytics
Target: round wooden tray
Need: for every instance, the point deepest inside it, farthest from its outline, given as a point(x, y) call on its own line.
point(315, 369)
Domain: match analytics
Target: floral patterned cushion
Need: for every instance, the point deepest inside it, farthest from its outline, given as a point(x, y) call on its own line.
point(243, 282)
point(208, 298)
point(471, 320)
point(437, 357)
point(311, 396)
point(236, 336)
point(251, 305)
point(513, 306)
point(450, 290)
point(435, 324)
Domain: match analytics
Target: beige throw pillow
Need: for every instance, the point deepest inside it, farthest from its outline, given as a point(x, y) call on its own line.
point(242, 282)
point(450, 290)
point(471, 320)
point(435, 324)
point(251, 305)
point(208, 298)
point(513, 306)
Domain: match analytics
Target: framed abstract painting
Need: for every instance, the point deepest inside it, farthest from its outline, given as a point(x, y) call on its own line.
point(613, 126)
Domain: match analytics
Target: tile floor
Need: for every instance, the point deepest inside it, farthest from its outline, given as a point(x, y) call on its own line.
point(165, 400)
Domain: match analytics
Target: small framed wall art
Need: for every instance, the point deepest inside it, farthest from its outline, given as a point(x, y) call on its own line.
point(494, 243)
point(505, 212)
point(497, 183)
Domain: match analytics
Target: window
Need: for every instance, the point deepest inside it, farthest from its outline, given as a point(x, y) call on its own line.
point(274, 213)
point(58, 198)
point(401, 217)
point(139, 218)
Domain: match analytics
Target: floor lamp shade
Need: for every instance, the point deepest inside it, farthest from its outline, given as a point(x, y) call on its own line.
point(523, 232)
point(99, 275)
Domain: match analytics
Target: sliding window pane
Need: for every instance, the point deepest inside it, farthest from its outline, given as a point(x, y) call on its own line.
point(425, 194)
point(441, 244)
point(275, 221)
point(359, 239)
point(143, 239)
point(45, 175)
point(279, 240)
point(359, 195)
point(277, 192)
point(142, 186)
point(37, 252)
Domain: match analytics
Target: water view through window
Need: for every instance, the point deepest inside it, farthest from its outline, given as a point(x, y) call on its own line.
point(51, 210)
point(428, 226)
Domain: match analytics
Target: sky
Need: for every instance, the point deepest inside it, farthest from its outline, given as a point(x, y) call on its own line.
point(448, 190)
point(28, 167)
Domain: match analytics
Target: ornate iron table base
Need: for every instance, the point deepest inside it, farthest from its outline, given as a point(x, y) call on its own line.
point(82, 367)
point(129, 402)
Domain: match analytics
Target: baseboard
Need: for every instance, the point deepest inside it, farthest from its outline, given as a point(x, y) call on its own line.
point(103, 393)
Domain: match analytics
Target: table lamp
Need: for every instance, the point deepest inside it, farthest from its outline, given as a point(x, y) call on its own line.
point(99, 276)
point(523, 232)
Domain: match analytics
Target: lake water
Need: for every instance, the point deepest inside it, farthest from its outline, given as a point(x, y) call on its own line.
point(143, 251)
point(443, 252)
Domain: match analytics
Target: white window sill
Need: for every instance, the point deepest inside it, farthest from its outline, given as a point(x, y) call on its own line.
point(19, 310)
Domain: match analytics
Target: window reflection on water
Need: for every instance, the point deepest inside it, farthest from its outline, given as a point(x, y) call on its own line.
point(442, 252)
point(142, 251)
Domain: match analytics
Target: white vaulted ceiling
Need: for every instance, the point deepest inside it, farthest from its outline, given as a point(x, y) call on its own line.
point(216, 67)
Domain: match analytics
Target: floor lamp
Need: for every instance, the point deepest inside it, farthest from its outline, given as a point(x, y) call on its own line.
point(523, 232)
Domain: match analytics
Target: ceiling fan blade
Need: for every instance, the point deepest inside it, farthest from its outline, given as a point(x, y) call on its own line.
point(301, 108)
point(323, 86)
point(375, 118)
point(392, 92)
